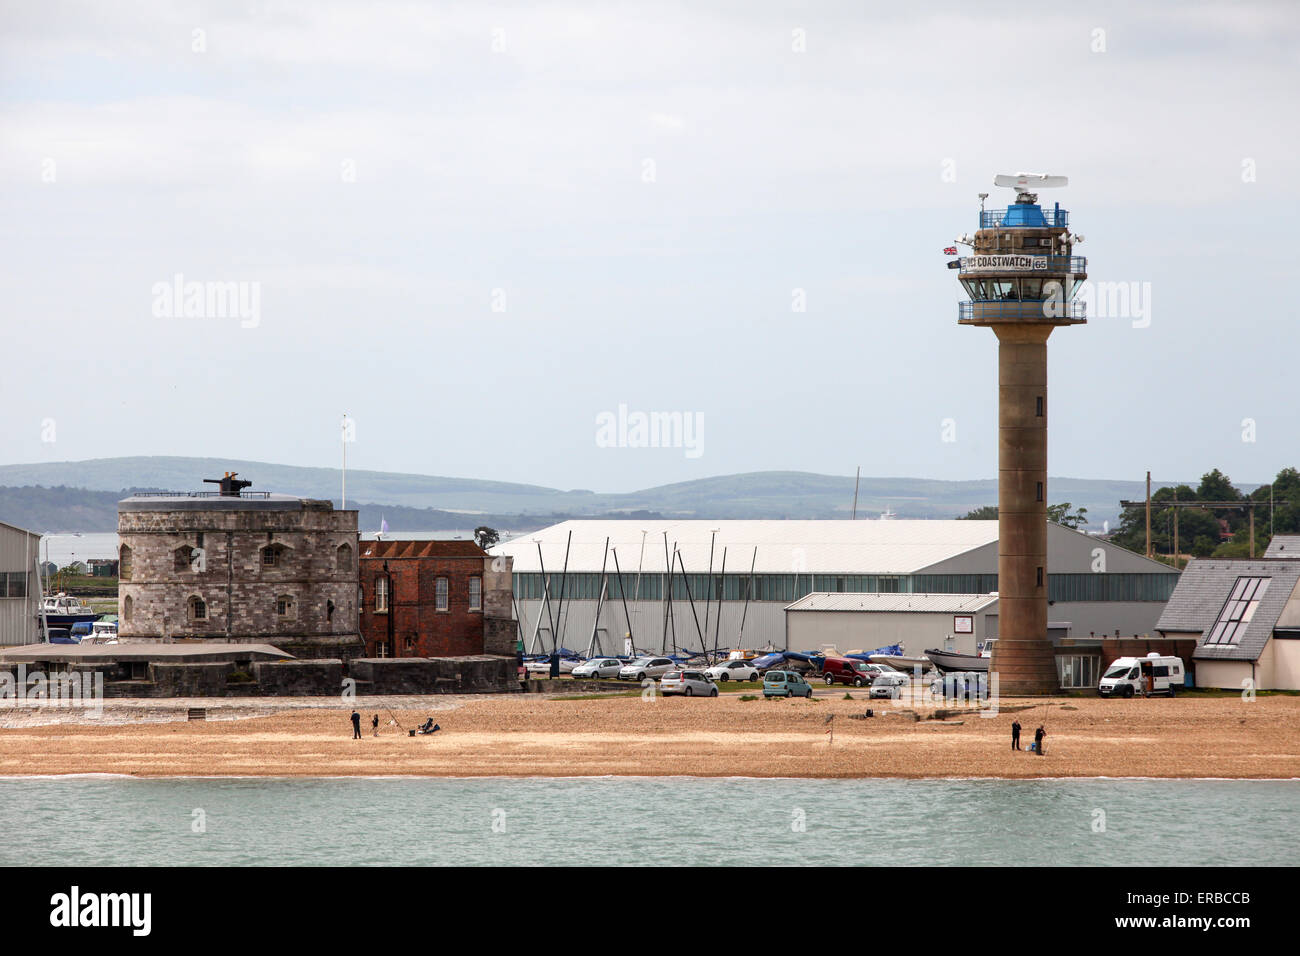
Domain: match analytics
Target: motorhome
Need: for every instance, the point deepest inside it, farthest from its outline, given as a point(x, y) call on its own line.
point(1153, 674)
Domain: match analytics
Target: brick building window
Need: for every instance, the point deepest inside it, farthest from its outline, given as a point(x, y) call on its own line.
point(476, 594)
point(343, 560)
point(381, 595)
point(198, 609)
point(124, 564)
point(272, 555)
point(440, 594)
point(285, 607)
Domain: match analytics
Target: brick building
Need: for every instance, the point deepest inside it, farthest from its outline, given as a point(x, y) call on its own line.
point(239, 566)
point(435, 599)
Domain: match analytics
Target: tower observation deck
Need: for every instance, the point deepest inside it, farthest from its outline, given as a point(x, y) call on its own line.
point(1022, 278)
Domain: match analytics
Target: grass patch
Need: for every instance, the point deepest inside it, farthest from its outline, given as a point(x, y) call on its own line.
point(748, 697)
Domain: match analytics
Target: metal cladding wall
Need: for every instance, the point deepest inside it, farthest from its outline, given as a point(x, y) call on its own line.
point(18, 551)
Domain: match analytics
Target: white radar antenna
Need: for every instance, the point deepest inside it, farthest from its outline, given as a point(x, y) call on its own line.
point(1023, 182)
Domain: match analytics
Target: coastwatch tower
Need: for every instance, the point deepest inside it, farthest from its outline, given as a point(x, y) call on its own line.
point(1022, 277)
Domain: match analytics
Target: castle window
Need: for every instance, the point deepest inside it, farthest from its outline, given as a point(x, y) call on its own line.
point(198, 609)
point(343, 560)
point(476, 594)
point(184, 559)
point(329, 610)
point(1040, 491)
point(381, 595)
point(128, 605)
point(440, 594)
point(272, 555)
point(285, 607)
point(124, 564)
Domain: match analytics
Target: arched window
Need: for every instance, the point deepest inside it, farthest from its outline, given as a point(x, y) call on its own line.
point(183, 559)
point(344, 558)
point(198, 608)
point(273, 555)
point(128, 605)
point(124, 564)
point(286, 608)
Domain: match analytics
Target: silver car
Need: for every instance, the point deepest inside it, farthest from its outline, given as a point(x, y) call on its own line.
point(644, 667)
point(687, 683)
point(599, 667)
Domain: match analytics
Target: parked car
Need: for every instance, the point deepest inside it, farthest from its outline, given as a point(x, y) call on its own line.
point(785, 684)
point(542, 668)
point(644, 667)
point(885, 688)
point(687, 683)
point(599, 667)
point(846, 670)
point(733, 670)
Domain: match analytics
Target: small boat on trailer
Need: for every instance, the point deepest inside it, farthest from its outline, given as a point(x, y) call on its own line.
point(949, 662)
point(59, 610)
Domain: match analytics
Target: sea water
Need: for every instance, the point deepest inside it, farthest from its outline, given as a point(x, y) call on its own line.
point(102, 820)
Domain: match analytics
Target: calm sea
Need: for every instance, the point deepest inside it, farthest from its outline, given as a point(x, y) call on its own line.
point(627, 821)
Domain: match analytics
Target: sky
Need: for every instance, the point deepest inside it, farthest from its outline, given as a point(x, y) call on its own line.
point(485, 232)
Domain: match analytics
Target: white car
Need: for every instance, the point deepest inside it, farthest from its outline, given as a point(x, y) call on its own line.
point(542, 668)
point(644, 667)
point(732, 670)
point(599, 667)
point(687, 683)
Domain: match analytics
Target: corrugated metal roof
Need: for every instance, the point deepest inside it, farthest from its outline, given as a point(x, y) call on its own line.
point(884, 603)
point(777, 547)
point(1284, 546)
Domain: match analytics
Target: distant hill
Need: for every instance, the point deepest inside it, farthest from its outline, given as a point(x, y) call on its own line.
point(82, 495)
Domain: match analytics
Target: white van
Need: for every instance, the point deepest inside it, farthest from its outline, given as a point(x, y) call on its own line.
point(1153, 674)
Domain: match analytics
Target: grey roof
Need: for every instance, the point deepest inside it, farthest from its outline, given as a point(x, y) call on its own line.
point(212, 502)
point(1203, 589)
point(1284, 546)
point(141, 651)
point(894, 603)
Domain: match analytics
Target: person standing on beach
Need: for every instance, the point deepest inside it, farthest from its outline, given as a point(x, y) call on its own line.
point(356, 726)
point(1015, 735)
point(1039, 734)
point(374, 725)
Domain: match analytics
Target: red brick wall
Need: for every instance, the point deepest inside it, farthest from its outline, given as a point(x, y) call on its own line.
point(419, 629)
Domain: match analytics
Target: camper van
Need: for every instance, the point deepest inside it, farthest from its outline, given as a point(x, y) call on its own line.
point(1153, 674)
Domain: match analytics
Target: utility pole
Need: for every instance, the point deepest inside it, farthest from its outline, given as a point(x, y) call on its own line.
point(1148, 514)
point(856, 481)
point(1176, 526)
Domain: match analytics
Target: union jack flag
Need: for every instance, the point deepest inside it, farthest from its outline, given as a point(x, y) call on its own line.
point(950, 251)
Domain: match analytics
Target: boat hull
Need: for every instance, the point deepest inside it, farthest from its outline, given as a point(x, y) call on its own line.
point(949, 662)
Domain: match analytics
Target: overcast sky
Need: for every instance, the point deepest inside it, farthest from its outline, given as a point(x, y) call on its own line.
point(477, 227)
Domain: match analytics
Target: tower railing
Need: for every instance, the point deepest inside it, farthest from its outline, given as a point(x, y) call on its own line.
point(1016, 309)
point(992, 218)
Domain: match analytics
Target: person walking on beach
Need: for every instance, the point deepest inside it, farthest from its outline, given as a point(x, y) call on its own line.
point(374, 725)
point(1039, 734)
point(1015, 735)
point(356, 726)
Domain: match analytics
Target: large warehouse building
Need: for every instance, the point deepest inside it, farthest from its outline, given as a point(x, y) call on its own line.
point(1094, 587)
point(19, 591)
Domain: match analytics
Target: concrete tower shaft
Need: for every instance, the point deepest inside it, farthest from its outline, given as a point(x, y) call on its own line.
point(1021, 279)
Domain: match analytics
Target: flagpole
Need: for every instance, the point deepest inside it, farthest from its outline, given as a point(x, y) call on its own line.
point(345, 462)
